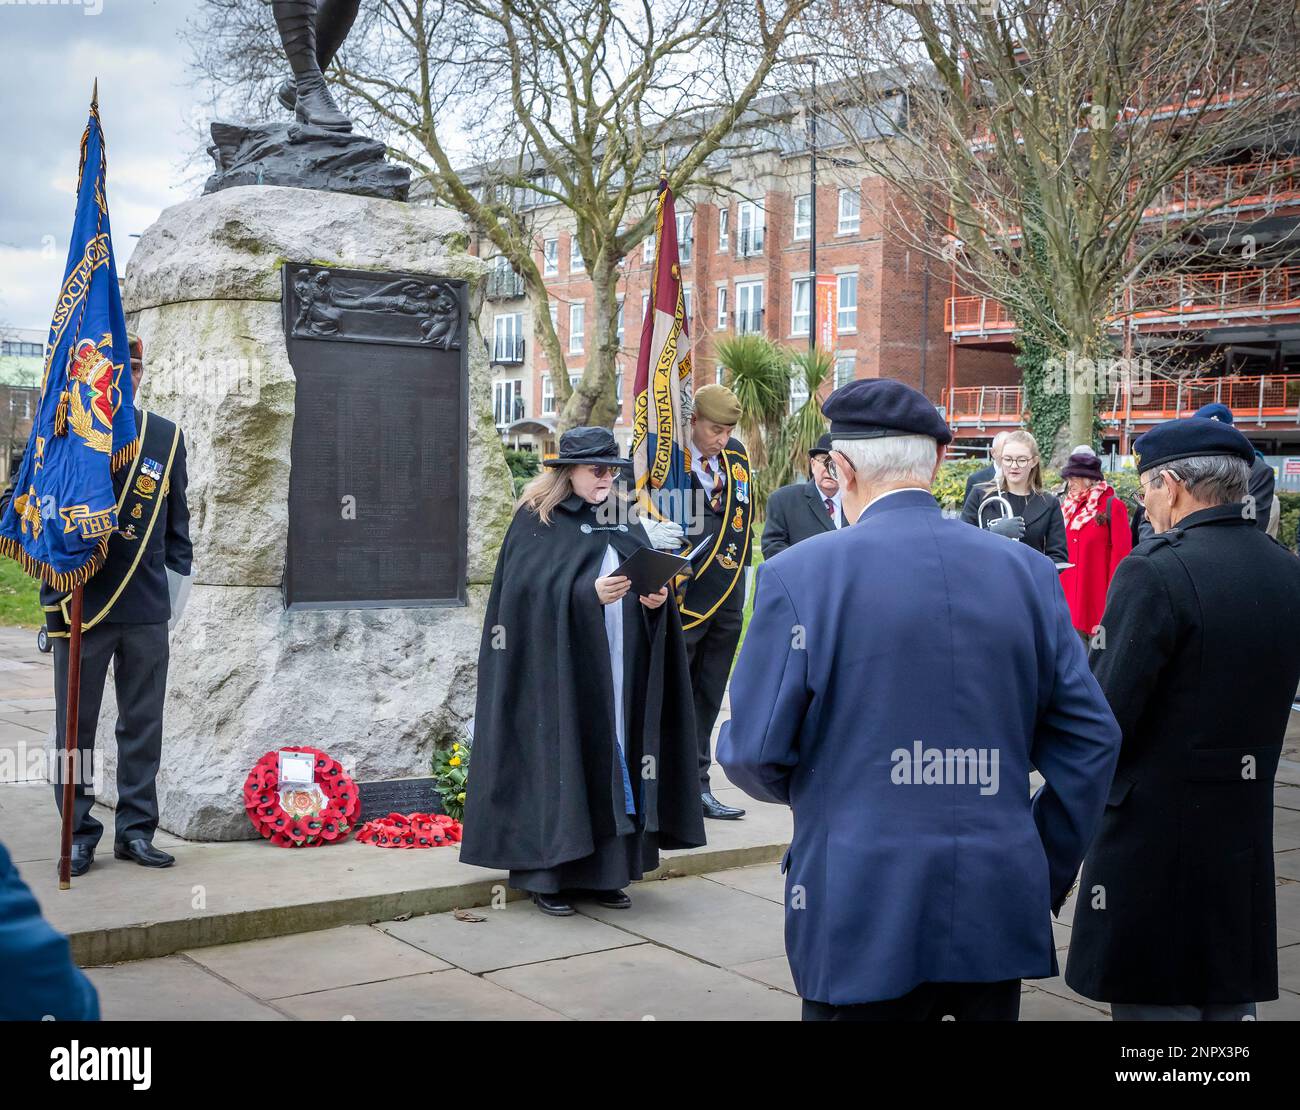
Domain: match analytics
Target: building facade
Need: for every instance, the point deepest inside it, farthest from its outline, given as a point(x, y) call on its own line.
point(22, 362)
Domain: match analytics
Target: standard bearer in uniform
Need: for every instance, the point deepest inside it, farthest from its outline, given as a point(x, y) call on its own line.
point(714, 596)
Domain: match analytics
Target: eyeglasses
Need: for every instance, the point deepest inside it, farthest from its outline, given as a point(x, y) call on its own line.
point(601, 471)
point(829, 462)
point(1022, 461)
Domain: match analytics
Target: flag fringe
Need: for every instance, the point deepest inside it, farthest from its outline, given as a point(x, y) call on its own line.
point(125, 455)
point(61, 415)
point(62, 582)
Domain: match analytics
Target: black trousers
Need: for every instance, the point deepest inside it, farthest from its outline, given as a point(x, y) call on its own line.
point(139, 656)
point(710, 648)
point(930, 1002)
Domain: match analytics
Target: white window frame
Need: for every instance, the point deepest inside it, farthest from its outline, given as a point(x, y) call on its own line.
point(619, 325)
point(722, 307)
point(504, 393)
point(724, 228)
point(686, 304)
point(843, 358)
point(685, 237)
point(506, 326)
point(797, 327)
point(751, 217)
point(803, 222)
point(844, 311)
point(548, 395)
point(648, 248)
point(550, 257)
point(750, 292)
point(577, 326)
point(798, 390)
point(576, 263)
point(850, 223)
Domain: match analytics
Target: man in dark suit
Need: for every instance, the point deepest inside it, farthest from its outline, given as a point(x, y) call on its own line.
point(1199, 659)
point(126, 608)
point(804, 509)
point(713, 602)
point(922, 878)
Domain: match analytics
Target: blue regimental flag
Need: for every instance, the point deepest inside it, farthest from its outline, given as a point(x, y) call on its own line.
point(64, 507)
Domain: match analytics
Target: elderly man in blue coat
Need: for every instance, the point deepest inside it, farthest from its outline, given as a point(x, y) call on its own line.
point(899, 681)
point(37, 976)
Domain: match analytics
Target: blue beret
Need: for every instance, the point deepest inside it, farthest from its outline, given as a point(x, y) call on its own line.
point(874, 407)
point(1188, 438)
point(1215, 411)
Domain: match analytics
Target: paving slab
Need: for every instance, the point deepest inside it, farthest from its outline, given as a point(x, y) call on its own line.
point(703, 919)
point(646, 982)
point(445, 996)
point(282, 966)
point(517, 933)
point(764, 881)
point(173, 989)
point(1036, 1005)
point(774, 972)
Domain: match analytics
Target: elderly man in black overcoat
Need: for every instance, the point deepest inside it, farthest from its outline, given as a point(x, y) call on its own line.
point(1198, 656)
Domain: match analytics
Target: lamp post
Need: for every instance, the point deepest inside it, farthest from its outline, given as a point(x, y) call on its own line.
point(811, 60)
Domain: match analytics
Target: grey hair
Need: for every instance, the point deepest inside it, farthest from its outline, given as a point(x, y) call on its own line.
point(891, 458)
point(1211, 479)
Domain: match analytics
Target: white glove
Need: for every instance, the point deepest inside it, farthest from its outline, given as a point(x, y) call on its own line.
point(664, 534)
point(178, 586)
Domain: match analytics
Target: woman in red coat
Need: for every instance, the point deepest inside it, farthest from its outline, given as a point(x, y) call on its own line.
point(1097, 537)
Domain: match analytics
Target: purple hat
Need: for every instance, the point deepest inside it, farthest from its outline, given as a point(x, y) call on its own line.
point(1082, 465)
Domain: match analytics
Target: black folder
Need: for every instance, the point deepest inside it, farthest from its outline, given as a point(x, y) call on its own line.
point(650, 570)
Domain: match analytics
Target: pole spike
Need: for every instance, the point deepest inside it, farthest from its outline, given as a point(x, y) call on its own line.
point(94, 95)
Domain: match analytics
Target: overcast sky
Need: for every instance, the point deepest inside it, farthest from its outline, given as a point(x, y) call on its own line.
point(50, 54)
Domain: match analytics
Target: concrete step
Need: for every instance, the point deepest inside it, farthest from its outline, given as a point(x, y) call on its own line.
point(221, 893)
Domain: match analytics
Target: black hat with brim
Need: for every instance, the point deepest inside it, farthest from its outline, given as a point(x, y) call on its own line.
point(1189, 438)
point(823, 446)
point(588, 447)
point(874, 407)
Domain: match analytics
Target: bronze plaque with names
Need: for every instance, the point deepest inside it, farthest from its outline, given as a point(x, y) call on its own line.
point(377, 488)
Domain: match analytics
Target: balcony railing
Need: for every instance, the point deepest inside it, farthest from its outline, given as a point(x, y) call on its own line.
point(1252, 185)
point(749, 242)
point(1159, 303)
point(508, 351)
point(1262, 399)
point(504, 285)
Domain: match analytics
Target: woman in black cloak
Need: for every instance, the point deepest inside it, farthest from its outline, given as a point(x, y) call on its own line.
point(584, 762)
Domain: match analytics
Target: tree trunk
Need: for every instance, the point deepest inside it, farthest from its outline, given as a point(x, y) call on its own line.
point(593, 400)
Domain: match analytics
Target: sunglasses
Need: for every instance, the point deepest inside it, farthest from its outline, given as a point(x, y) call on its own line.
point(601, 471)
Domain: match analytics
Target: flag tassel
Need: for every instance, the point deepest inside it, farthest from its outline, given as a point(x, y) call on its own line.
point(61, 414)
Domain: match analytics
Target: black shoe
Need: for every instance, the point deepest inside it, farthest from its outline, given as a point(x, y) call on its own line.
point(613, 899)
point(83, 855)
point(553, 905)
point(143, 852)
point(715, 809)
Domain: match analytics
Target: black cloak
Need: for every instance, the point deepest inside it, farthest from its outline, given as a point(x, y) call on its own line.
point(544, 782)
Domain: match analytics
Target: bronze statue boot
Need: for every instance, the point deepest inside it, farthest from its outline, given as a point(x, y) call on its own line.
point(313, 105)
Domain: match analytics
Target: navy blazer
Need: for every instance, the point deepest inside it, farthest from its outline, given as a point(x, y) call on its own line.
point(865, 643)
point(36, 965)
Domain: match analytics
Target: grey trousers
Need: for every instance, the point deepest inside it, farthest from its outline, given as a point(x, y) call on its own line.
point(139, 656)
point(1141, 1011)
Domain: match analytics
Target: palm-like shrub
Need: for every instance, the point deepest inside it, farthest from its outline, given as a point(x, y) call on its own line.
point(758, 373)
point(804, 427)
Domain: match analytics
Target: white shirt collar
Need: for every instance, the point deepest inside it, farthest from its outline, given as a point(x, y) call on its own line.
point(889, 493)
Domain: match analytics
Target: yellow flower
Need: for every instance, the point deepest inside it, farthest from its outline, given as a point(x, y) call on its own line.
point(460, 797)
point(454, 761)
point(455, 747)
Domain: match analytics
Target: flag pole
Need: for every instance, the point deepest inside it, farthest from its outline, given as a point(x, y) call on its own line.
point(70, 738)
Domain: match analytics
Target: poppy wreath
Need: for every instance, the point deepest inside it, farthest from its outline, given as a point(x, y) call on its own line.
point(416, 830)
point(304, 830)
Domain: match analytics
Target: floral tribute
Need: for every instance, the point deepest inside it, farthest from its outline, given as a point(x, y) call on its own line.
point(301, 818)
point(414, 830)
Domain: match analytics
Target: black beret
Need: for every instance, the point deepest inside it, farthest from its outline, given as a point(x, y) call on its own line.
point(873, 407)
point(1188, 438)
point(823, 446)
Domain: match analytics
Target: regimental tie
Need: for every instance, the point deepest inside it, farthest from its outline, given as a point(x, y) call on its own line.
point(718, 484)
point(830, 507)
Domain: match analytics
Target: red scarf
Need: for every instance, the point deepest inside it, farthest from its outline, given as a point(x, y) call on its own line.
point(1081, 507)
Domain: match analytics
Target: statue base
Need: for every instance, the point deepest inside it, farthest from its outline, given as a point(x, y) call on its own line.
point(301, 156)
point(377, 688)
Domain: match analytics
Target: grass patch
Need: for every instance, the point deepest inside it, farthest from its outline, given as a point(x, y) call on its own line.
point(19, 597)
